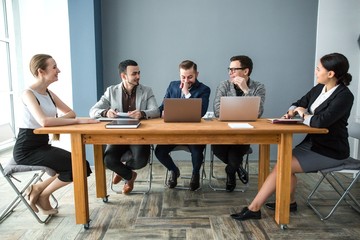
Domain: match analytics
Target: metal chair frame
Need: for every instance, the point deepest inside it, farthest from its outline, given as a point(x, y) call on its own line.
point(340, 188)
point(11, 169)
point(20, 192)
point(343, 189)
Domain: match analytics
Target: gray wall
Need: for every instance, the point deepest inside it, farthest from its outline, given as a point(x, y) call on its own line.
point(86, 62)
point(279, 36)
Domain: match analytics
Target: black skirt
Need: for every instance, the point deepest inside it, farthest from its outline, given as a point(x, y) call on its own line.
point(34, 149)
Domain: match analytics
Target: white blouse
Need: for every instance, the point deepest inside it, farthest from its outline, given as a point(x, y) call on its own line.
point(27, 120)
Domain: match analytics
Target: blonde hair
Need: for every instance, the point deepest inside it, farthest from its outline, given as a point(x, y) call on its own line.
point(38, 61)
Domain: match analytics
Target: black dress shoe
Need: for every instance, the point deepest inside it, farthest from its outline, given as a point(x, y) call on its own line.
point(271, 205)
point(230, 178)
point(172, 182)
point(234, 215)
point(195, 181)
point(230, 181)
point(246, 214)
point(243, 175)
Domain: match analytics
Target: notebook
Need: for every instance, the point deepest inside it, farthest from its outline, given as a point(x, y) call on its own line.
point(123, 123)
point(182, 109)
point(239, 108)
point(285, 121)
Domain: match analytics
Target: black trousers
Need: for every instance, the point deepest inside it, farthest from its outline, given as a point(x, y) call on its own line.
point(162, 152)
point(122, 159)
point(232, 155)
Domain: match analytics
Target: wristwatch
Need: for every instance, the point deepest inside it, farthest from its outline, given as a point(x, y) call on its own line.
point(104, 113)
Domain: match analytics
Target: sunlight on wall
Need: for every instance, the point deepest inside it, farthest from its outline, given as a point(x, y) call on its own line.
point(44, 28)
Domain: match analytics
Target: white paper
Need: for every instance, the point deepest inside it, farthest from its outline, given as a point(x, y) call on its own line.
point(123, 114)
point(240, 125)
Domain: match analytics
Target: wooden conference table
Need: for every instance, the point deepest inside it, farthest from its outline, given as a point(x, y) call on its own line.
point(155, 131)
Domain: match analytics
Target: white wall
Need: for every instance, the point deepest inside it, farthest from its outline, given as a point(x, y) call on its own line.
point(43, 27)
point(338, 31)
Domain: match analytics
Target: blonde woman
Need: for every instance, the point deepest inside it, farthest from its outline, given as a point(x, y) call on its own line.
point(39, 109)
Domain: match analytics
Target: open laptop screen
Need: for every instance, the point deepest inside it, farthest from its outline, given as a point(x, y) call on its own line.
point(239, 108)
point(182, 109)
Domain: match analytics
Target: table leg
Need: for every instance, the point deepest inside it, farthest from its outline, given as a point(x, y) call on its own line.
point(264, 163)
point(283, 180)
point(100, 176)
point(80, 179)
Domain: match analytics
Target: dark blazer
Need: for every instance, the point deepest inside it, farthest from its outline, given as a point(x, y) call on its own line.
point(332, 114)
point(198, 90)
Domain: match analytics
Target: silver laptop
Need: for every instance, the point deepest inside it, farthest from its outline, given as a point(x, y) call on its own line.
point(239, 108)
point(182, 109)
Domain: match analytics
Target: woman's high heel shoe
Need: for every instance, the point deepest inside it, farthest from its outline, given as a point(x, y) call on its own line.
point(32, 201)
point(52, 211)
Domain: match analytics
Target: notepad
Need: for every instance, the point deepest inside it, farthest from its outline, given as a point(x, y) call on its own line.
point(123, 123)
point(240, 125)
point(285, 120)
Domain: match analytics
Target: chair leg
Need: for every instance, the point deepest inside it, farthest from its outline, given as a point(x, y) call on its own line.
point(20, 197)
point(343, 193)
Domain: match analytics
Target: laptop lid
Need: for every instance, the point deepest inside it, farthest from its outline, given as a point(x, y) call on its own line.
point(182, 109)
point(239, 108)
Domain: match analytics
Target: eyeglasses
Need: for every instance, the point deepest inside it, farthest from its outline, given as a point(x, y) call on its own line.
point(235, 69)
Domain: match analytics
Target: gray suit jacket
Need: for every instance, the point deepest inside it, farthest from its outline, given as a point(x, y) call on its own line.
point(112, 98)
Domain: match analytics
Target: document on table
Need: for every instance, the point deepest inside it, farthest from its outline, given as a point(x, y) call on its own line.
point(240, 125)
point(285, 120)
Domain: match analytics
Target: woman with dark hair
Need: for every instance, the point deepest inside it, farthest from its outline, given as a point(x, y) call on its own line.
point(327, 105)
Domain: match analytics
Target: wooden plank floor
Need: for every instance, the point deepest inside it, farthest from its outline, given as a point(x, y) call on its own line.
point(179, 214)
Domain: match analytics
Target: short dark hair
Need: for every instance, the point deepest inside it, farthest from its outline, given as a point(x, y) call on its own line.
point(339, 64)
point(124, 64)
point(187, 64)
point(245, 62)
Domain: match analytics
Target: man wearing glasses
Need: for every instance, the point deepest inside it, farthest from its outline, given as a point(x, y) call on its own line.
point(239, 84)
